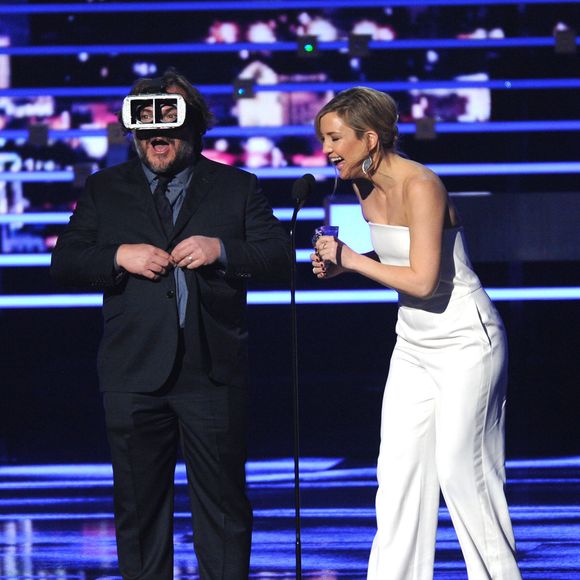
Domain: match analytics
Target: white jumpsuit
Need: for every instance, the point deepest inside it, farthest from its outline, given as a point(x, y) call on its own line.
point(442, 424)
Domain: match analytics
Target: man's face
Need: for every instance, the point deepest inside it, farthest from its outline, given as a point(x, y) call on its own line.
point(165, 150)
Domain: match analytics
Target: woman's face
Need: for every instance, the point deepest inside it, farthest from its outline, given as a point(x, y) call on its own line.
point(342, 147)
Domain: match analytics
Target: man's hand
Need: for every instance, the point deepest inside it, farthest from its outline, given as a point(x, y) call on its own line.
point(144, 260)
point(196, 251)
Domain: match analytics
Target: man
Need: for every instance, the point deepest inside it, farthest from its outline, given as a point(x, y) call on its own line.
point(171, 238)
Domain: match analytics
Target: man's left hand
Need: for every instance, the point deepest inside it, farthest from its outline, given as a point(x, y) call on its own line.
point(196, 251)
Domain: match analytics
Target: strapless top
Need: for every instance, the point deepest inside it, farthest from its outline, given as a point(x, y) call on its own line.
point(456, 276)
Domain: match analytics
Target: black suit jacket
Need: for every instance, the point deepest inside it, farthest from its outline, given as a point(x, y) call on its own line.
point(140, 334)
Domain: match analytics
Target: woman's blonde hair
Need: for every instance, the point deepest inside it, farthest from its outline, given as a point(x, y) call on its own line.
point(364, 109)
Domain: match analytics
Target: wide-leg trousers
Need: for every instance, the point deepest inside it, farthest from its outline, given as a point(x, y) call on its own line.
point(145, 432)
point(442, 428)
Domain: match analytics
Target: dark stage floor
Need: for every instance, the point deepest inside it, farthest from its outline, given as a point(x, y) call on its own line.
point(56, 521)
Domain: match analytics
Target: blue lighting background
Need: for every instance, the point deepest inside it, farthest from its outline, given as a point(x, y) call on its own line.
point(498, 80)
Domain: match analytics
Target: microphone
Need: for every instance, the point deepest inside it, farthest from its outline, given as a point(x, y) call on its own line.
point(302, 188)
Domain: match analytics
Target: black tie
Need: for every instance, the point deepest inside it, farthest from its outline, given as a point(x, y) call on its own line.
point(162, 203)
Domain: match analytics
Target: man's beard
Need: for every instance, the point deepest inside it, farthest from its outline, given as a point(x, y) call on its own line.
point(184, 156)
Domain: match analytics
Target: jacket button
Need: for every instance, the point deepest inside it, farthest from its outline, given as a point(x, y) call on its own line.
point(170, 293)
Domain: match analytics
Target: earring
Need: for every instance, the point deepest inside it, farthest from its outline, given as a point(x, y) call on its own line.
point(366, 165)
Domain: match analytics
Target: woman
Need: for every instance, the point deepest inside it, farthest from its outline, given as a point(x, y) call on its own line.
point(442, 424)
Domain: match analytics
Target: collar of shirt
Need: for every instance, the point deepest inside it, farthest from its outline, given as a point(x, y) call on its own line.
point(178, 183)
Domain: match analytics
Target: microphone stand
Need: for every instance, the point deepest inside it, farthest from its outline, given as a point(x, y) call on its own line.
point(294, 348)
point(300, 191)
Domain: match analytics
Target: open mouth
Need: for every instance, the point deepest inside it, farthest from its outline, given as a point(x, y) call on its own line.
point(159, 145)
point(336, 160)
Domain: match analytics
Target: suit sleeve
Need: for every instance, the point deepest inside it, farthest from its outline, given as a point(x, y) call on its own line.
point(79, 259)
point(264, 253)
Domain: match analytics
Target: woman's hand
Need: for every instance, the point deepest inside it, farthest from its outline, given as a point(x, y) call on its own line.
point(327, 258)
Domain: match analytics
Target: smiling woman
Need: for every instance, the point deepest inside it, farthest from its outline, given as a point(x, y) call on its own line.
point(344, 130)
point(442, 423)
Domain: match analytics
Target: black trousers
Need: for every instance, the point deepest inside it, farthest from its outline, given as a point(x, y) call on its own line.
point(145, 432)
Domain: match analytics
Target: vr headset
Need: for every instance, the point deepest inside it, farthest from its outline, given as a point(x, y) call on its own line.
point(153, 111)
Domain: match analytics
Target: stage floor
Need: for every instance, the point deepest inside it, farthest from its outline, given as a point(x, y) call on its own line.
point(56, 521)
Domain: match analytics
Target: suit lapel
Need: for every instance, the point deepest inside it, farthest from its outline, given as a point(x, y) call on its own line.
point(199, 188)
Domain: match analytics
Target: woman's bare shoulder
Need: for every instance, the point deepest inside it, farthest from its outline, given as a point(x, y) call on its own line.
point(420, 180)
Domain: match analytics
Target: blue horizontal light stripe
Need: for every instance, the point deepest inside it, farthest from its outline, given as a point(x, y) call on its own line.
point(279, 46)
point(94, 92)
point(166, 48)
point(518, 513)
point(498, 84)
point(278, 297)
point(36, 176)
point(51, 301)
point(507, 294)
point(306, 213)
point(20, 260)
point(44, 517)
point(61, 502)
point(443, 169)
point(282, 213)
point(427, 43)
point(500, 127)
point(325, 471)
point(27, 260)
point(243, 6)
point(104, 470)
point(311, 466)
point(545, 481)
point(55, 133)
point(506, 168)
point(308, 131)
point(62, 484)
point(35, 218)
point(547, 463)
point(393, 86)
point(282, 131)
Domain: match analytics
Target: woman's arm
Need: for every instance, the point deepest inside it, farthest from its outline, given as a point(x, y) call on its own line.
point(425, 202)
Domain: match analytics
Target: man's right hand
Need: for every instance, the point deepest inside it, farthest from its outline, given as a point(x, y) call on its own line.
point(144, 260)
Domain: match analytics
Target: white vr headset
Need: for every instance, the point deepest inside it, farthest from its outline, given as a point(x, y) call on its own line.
point(155, 111)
